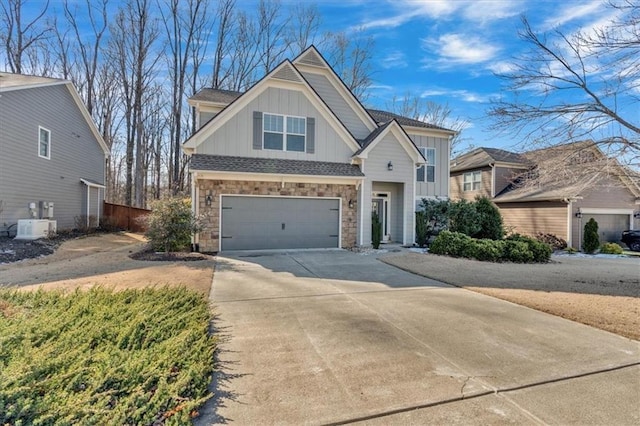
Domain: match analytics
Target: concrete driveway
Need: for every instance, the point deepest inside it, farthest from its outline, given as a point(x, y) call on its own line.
point(334, 337)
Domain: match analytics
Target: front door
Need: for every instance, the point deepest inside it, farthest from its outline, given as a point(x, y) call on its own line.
point(380, 205)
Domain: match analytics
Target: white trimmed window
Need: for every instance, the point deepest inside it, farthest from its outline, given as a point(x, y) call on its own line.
point(44, 143)
point(472, 181)
point(284, 132)
point(427, 173)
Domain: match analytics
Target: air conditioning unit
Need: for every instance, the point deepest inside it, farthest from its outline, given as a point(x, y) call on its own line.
point(32, 229)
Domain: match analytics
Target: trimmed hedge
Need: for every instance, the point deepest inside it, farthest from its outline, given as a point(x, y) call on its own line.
point(611, 248)
point(515, 248)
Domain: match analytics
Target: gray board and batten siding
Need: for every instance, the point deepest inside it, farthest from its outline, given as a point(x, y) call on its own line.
point(255, 223)
point(403, 174)
point(75, 154)
point(235, 137)
point(439, 188)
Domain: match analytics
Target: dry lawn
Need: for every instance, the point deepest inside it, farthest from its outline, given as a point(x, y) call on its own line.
point(600, 292)
point(103, 260)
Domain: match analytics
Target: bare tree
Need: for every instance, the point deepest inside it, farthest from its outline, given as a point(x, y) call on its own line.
point(225, 27)
point(304, 26)
point(577, 87)
point(351, 57)
point(418, 108)
point(89, 47)
point(185, 23)
point(134, 33)
point(18, 36)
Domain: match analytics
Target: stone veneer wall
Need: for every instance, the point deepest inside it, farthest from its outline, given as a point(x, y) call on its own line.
point(210, 235)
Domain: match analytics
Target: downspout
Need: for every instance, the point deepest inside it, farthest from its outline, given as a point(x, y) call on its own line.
point(195, 238)
point(493, 179)
point(569, 221)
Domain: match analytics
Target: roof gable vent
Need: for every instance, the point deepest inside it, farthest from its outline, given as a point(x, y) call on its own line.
point(311, 58)
point(287, 73)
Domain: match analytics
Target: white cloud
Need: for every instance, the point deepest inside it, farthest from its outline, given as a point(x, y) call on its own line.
point(501, 67)
point(477, 11)
point(395, 59)
point(465, 95)
point(459, 49)
point(572, 11)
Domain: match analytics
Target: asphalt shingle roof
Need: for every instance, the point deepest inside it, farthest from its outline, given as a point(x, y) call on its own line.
point(224, 163)
point(216, 95)
point(481, 157)
point(383, 116)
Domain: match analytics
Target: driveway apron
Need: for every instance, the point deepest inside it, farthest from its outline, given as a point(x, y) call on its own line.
point(334, 337)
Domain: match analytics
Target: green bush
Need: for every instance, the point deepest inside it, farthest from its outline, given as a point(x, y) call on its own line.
point(171, 224)
point(376, 230)
point(463, 218)
point(591, 240)
point(611, 248)
point(489, 220)
point(517, 252)
point(433, 217)
point(516, 248)
point(541, 252)
point(101, 357)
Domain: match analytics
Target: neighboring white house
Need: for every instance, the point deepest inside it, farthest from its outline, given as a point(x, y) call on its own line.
point(297, 162)
point(52, 157)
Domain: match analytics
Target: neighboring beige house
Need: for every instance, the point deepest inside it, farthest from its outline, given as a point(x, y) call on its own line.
point(554, 190)
point(297, 162)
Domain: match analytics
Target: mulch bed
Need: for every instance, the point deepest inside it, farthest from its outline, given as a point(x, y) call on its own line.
point(149, 254)
point(12, 250)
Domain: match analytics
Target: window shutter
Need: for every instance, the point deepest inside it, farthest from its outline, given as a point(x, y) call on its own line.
point(257, 130)
point(420, 174)
point(311, 135)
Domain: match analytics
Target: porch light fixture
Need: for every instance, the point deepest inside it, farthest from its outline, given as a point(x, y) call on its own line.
point(208, 199)
point(350, 204)
point(390, 166)
point(579, 214)
point(636, 214)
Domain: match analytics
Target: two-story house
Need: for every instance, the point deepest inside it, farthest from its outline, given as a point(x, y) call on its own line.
point(553, 190)
point(52, 156)
point(297, 161)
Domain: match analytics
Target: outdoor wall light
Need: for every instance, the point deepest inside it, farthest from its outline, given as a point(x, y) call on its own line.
point(208, 199)
point(636, 215)
point(579, 214)
point(390, 166)
point(350, 204)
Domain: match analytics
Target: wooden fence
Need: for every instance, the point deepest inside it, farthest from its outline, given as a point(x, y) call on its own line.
point(125, 217)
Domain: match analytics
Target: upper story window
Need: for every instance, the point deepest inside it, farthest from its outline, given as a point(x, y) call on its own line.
point(44, 143)
point(427, 173)
point(472, 181)
point(284, 132)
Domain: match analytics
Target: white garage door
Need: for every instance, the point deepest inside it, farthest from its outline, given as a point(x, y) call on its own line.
point(256, 223)
point(610, 226)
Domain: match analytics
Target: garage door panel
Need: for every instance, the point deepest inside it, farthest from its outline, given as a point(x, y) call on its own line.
point(279, 223)
point(610, 226)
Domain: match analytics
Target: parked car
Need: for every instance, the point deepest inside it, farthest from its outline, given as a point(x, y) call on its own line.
point(632, 239)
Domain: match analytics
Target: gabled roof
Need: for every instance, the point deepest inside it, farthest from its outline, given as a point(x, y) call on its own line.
point(223, 163)
point(378, 134)
point(11, 82)
point(484, 157)
point(314, 61)
point(285, 73)
point(218, 96)
point(384, 116)
point(566, 171)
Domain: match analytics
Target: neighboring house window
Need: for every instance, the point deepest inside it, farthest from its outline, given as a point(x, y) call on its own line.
point(427, 173)
point(44, 143)
point(284, 133)
point(472, 181)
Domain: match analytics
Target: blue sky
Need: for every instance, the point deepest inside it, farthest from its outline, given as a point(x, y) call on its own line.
point(445, 51)
point(448, 51)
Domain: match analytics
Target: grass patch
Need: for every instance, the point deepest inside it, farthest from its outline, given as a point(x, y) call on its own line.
point(104, 357)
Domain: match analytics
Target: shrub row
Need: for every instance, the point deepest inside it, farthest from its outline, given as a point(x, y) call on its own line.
point(515, 248)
